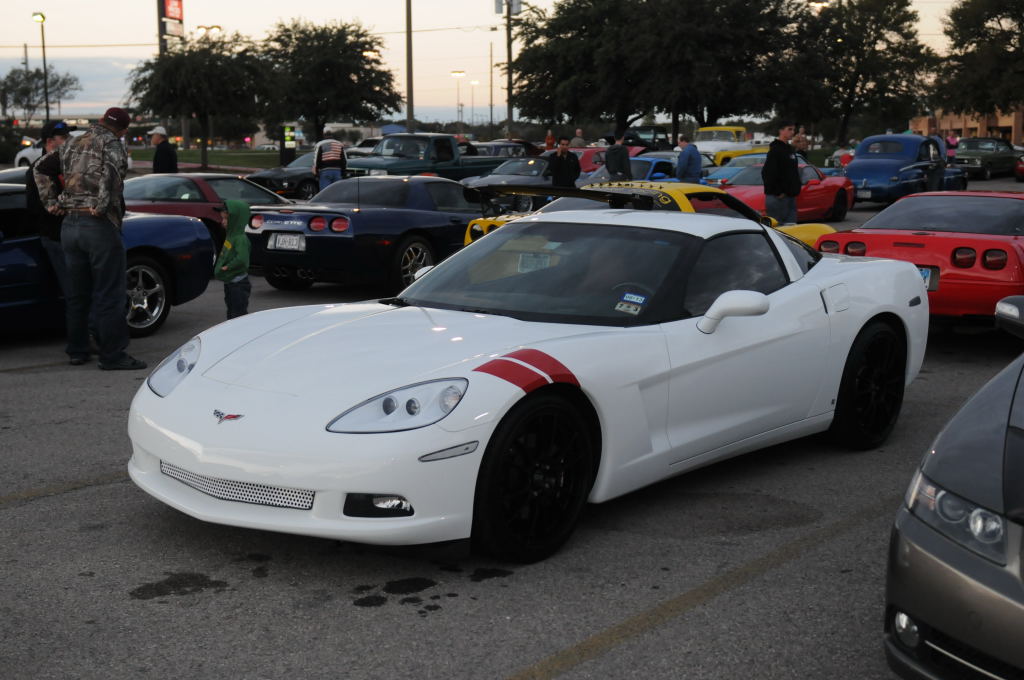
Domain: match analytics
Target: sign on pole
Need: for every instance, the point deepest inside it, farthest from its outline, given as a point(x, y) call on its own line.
point(170, 22)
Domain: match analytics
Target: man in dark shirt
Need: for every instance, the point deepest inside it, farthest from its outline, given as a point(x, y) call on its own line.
point(54, 135)
point(563, 165)
point(781, 176)
point(329, 163)
point(165, 158)
point(616, 158)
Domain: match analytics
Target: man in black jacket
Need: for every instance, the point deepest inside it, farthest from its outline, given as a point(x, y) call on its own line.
point(165, 158)
point(563, 165)
point(54, 134)
point(781, 176)
point(616, 158)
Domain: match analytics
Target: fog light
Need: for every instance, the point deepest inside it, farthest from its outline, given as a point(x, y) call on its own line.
point(377, 505)
point(906, 630)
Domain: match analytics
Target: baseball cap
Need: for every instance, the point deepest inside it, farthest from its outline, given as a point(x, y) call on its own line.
point(56, 128)
point(158, 130)
point(117, 116)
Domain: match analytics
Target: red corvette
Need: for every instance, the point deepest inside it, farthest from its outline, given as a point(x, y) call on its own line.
point(967, 245)
point(822, 197)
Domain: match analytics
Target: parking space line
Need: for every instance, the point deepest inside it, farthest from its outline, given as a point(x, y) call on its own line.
point(57, 489)
point(621, 633)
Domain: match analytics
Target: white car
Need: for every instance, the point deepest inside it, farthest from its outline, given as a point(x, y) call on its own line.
point(28, 155)
point(564, 358)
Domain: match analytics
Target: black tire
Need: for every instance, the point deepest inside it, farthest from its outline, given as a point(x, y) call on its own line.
point(307, 189)
point(149, 296)
point(839, 207)
point(412, 254)
point(1019, 178)
point(986, 173)
point(286, 279)
point(534, 480)
point(23, 163)
point(871, 390)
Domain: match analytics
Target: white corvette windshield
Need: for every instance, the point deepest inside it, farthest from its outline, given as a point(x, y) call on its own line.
point(569, 273)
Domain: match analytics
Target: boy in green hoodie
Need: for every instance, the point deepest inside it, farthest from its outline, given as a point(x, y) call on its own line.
point(232, 266)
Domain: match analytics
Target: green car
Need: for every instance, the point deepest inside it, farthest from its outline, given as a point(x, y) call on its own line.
point(985, 156)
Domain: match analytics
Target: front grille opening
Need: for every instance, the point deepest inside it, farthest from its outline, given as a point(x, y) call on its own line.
point(242, 492)
point(993, 667)
point(377, 505)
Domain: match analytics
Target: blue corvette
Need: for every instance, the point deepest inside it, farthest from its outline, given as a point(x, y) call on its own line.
point(170, 261)
point(651, 167)
point(377, 230)
point(888, 167)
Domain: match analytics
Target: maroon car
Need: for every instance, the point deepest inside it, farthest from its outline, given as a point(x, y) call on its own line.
point(195, 194)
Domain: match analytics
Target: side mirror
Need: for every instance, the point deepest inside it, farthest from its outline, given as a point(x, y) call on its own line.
point(421, 271)
point(1010, 315)
point(659, 175)
point(769, 222)
point(734, 303)
point(813, 182)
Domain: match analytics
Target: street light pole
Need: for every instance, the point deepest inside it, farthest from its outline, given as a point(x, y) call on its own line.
point(458, 75)
point(472, 101)
point(408, 67)
point(41, 18)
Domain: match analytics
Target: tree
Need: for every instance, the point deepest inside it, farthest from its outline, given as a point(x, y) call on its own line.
point(211, 76)
point(328, 71)
point(23, 89)
point(579, 62)
point(985, 67)
point(857, 57)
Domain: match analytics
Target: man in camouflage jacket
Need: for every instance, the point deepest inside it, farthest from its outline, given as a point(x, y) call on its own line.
point(93, 166)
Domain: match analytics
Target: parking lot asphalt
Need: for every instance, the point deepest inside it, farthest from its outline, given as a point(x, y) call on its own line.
point(770, 565)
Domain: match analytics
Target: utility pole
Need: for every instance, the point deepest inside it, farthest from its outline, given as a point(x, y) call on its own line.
point(490, 70)
point(508, 69)
point(409, 118)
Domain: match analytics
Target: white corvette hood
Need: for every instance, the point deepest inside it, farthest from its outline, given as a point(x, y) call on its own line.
point(373, 348)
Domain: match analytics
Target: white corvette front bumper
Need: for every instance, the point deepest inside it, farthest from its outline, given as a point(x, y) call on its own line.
point(242, 473)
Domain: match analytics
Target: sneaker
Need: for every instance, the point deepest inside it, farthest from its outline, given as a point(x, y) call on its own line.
point(125, 363)
point(78, 359)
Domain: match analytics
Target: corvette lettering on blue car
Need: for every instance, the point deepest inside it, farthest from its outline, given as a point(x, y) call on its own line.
point(566, 358)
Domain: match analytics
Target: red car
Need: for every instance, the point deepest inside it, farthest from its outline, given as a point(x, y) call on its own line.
point(821, 198)
point(194, 194)
point(967, 245)
point(592, 157)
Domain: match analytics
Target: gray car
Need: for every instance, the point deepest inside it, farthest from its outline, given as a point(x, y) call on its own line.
point(985, 156)
point(954, 588)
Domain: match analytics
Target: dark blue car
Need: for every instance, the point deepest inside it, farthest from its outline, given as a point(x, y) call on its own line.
point(377, 230)
point(887, 167)
point(170, 261)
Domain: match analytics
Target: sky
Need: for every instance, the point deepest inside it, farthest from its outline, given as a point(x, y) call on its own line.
point(100, 41)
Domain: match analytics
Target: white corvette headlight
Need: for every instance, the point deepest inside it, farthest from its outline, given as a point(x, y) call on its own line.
point(378, 171)
point(406, 408)
point(174, 368)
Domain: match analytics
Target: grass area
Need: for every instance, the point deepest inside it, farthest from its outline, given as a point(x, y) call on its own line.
point(235, 157)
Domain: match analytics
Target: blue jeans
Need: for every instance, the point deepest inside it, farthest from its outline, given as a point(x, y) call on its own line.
point(782, 209)
point(329, 176)
point(236, 297)
point(94, 253)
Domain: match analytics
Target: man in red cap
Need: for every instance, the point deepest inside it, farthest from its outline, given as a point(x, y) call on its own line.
point(93, 166)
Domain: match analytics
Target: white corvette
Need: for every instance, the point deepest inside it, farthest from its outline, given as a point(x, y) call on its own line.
point(564, 358)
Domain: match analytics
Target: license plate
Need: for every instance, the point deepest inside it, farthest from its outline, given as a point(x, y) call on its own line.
point(929, 282)
point(864, 193)
point(288, 242)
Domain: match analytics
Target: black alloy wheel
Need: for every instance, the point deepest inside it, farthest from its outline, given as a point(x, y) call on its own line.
point(149, 300)
point(534, 480)
point(986, 173)
point(412, 254)
point(871, 392)
point(840, 207)
point(307, 189)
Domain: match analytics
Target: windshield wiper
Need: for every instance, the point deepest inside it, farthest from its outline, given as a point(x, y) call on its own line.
point(395, 302)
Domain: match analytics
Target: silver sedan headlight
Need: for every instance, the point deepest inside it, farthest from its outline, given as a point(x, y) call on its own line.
point(174, 368)
point(406, 408)
point(972, 526)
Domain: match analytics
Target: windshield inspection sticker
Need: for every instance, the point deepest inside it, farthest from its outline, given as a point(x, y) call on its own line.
point(632, 297)
point(631, 304)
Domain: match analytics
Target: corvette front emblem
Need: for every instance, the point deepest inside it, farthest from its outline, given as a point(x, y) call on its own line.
point(221, 416)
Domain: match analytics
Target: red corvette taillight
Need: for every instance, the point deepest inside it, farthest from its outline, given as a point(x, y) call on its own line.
point(256, 222)
point(829, 246)
point(994, 259)
point(856, 248)
point(318, 223)
point(339, 224)
point(964, 257)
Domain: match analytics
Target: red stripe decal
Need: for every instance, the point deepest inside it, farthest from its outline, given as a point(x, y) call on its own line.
point(547, 364)
point(518, 375)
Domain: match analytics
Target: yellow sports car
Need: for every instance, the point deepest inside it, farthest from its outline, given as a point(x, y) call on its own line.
point(693, 198)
